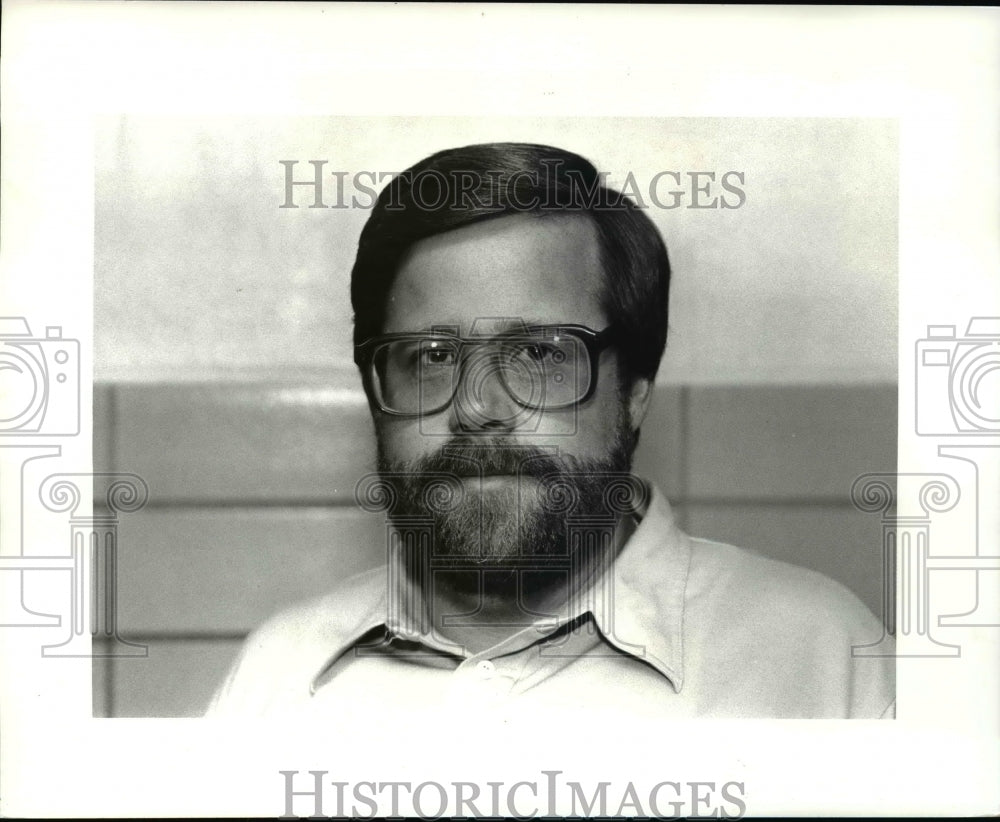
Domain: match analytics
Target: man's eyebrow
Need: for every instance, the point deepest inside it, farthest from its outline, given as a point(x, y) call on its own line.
point(520, 324)
point(510, 327)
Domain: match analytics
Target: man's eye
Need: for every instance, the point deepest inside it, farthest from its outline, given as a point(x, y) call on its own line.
point(437, 356)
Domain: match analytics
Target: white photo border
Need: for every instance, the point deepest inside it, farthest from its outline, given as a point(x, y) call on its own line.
point(936, 70)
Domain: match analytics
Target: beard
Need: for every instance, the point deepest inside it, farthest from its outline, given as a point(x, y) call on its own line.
point(491, 503)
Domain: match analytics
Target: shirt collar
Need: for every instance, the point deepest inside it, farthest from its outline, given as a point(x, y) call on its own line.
point(642, 612)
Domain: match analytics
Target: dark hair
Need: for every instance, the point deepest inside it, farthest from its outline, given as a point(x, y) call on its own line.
point(461, 186)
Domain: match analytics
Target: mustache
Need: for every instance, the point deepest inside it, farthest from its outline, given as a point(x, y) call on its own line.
point(467, 457)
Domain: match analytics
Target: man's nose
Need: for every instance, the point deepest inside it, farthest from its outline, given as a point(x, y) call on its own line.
point(482, 401)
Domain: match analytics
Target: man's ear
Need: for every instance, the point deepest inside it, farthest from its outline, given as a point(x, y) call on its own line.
point(640, 395)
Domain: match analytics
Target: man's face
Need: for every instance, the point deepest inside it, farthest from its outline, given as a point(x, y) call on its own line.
point(485, 279)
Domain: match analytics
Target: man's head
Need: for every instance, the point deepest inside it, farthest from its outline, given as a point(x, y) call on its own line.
point(508, 257)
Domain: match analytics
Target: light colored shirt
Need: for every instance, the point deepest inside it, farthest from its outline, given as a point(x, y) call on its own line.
point(678, 628)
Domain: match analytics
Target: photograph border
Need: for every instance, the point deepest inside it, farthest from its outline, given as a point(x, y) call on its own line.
point(66, 62)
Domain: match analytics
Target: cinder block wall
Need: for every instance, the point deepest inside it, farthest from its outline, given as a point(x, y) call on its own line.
point(251, 502)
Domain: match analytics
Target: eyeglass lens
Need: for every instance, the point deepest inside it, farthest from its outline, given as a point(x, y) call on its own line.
point(423, 375)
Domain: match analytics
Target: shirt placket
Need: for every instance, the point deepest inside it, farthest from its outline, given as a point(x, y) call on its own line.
point(508, 669)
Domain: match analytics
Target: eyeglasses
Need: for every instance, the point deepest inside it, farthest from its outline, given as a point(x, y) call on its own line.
point(541, 367)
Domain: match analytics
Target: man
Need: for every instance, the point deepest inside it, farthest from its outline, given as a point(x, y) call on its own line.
point(510, 317)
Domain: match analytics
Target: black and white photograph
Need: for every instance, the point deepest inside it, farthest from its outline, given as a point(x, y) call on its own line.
point(518, 436)
point(469, 417)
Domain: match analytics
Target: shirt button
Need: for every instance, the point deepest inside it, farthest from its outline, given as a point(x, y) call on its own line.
point(486, 669)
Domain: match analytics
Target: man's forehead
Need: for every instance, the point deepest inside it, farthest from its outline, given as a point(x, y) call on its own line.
point(495, 276)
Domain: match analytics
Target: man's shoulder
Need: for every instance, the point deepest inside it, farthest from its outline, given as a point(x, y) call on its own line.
point(284, 654)
point(792, 633)
point(785, 596)
point(344, 610)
